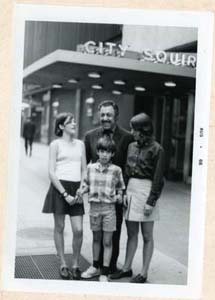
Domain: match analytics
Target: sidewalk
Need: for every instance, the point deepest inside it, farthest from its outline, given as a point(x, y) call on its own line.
point(35, 230)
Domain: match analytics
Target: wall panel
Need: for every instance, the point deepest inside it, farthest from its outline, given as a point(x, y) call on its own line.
point(42, 38)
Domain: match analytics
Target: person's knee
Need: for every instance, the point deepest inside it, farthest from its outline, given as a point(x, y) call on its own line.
point(107, 243)
point(132, 232)
point(147, 237)
point(78, 233)
point(132, 235)
point(96, 237)
point(59, 227)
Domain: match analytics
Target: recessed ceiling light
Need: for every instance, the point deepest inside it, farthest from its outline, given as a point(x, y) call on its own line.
point(139, 88)
point(90, 100)
point(97, 86)
point(115, 92)
point(170, 84)
point(119, 82)
point(57, 86)
point(55, 104)
point(94, 75)
point(73, 80)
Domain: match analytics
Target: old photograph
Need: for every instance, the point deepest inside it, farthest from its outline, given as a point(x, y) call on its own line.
point(111, 144)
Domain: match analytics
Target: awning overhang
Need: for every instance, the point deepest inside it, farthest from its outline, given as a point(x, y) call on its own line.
point(62, 65)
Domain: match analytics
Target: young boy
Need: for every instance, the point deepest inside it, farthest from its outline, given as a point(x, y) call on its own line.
point(104, 185)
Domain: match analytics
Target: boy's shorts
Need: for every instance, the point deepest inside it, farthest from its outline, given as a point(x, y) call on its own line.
point(102, 216)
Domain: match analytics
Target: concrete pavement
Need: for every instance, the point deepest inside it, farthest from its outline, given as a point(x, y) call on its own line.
point(35, 230)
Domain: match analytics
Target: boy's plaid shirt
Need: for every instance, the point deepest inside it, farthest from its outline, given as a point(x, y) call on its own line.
point(103, 184)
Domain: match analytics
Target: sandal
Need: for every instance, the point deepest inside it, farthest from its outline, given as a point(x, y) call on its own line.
point(64, 272)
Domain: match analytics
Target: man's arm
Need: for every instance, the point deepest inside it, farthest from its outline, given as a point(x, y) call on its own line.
point(127, 141)
point(88, 148)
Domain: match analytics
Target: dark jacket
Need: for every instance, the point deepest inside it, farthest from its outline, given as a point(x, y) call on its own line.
point(29, 129)
point(122, 139)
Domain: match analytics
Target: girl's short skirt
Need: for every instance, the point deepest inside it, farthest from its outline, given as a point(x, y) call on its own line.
point(138, 191)
point(56, 204)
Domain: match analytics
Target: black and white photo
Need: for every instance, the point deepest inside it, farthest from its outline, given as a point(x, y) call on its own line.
point(109, 147)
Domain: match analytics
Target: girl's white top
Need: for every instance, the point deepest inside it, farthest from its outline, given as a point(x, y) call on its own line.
point(68, 161)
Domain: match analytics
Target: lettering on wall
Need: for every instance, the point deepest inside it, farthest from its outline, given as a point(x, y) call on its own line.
point(118, 50)
point(173, 58)
point(101, 48)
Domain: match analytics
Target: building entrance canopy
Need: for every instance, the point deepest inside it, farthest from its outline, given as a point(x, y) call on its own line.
point(62, 66)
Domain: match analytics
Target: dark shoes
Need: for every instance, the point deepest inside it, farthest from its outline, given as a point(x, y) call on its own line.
point(64, 272)
point(138, 279)
point(121, 274)
point(75, 274)
point(113, 270)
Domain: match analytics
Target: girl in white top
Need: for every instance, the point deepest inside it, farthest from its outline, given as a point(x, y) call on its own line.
point(67, 163)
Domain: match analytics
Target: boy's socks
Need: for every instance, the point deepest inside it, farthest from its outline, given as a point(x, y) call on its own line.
point(105, 270)
point(96, 264)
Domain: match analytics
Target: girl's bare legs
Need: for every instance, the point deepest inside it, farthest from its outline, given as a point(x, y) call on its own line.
point(77, 228)
point(132, 242)
point(59, 223)
point(148, 247)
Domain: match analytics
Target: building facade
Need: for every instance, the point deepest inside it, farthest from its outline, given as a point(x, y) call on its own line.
point(74, 66)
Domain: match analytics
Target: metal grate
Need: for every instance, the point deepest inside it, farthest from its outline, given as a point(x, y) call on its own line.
point(42, 266)
point(25, 268)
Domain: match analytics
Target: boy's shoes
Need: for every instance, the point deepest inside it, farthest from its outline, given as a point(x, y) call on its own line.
point(121, 274)
point(75, 274)
point(90, 273)
point(138, 279)
point(103, 278)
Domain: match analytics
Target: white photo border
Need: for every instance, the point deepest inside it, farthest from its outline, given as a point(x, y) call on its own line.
point(203, 21)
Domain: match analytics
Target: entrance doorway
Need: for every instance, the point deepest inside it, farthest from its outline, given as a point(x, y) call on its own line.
point(177, 136)
point(173, 128)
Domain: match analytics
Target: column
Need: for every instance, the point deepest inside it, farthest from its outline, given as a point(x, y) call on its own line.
point(77, 111)
point(154, 114)
point(188, 138)
point(50, 119)
point(163, 121)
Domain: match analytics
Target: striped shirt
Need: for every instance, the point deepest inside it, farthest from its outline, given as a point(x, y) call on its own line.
point(103, 183)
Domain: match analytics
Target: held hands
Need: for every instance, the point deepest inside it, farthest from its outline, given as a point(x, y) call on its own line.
point(125, 201)
point(119, 198)
point(78, 197)
point(70, 199)
point(147, 210)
